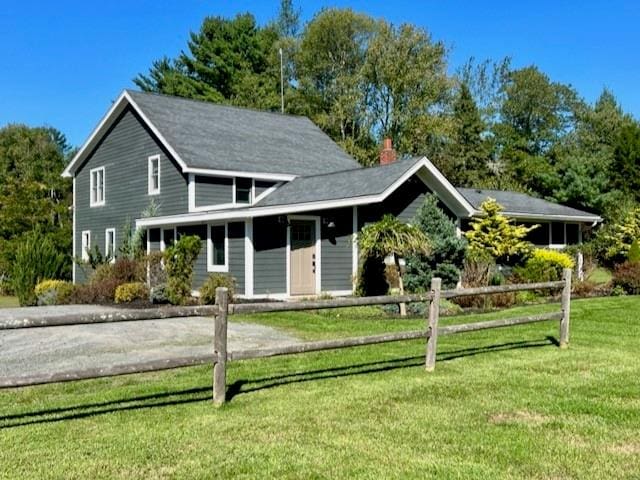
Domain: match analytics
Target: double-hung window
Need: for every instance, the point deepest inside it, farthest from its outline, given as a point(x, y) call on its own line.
point(154, 174)
point(85, 245)
point(97, 184)
point(110, 244)
point(218, 249)
point(244, 187)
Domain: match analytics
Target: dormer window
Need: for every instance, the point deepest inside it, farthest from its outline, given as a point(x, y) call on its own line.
point(96, 187)
point(244, 186)
point(154, 174)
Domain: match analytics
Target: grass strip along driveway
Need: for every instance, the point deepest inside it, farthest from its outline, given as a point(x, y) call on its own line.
point(503, 403)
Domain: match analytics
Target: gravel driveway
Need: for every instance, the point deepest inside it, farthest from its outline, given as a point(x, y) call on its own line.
point(57, 349)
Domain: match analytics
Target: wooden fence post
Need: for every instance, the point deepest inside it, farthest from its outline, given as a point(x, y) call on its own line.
point(432, 328)
point(566, 308)
point(220, 346)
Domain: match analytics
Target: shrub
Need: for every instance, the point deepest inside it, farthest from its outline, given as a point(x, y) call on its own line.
point(158, 294)
point(128, 292)
point(627, 277)
point(107, 277)
point(634, 252)
point(615, 239)
point(478, 269)
point(496, 235)
point(36, 259)
point(179, 260)
point(447, 255)
point(156, 272)
point(53, 292)
point(544, 266)
point(215, 280)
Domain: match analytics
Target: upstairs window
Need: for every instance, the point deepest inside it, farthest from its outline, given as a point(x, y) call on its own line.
point(154, 175)
point(244, 186)
point(97, 187)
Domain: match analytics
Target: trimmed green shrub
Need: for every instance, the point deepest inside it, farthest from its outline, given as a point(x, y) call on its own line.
point(634, 252)
point(158, 294)
point(36, 259)
point(627, 277)
point(215, 280)
point(179, 260)
point(129, 292)
point(447, 250)
point(53, 292)
point(544, 266)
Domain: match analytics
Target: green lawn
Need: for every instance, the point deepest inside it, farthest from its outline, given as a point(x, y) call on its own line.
point(600, 275)
point(6, 302)
point(503, 403)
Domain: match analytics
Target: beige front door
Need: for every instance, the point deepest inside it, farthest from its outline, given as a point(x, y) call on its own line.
point(303, 257)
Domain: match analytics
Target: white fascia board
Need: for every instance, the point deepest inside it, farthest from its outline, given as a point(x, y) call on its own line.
point(95, 136)
point(116, 109)
point(447, 186)
point(549, 217)
point(279, 177)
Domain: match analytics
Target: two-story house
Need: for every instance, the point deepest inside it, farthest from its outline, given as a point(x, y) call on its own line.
point(276, 202)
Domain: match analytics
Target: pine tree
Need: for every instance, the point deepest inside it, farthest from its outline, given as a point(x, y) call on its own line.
point(469, 153)
point(447, 250)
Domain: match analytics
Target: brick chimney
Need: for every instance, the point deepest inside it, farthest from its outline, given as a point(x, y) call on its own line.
point(387, 154)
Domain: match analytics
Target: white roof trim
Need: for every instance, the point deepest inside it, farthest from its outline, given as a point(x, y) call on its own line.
point(298, 207)
point(540, 216)
point(106, 122)
point(281, 177)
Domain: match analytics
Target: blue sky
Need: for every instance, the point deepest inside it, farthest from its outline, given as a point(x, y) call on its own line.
point(64, 62)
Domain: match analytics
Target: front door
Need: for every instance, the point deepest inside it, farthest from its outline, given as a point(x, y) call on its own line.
point(303, 257)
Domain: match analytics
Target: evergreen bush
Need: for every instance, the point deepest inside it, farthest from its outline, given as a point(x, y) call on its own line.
point(36, 259)
point(53, 292)
point(180, 259)
point(544, 266)
point(447, 250)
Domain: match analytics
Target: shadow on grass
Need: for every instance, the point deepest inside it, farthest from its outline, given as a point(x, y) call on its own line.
point(239, 387)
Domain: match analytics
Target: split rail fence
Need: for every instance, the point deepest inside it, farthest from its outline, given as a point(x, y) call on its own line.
point(222, 310)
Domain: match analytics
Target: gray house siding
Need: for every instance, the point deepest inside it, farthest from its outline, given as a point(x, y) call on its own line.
point(213, 190)
point(337, 250)
point(269, 258)
point(124, 152)
point(262, 186)
point(403, 203)
point(236, 254)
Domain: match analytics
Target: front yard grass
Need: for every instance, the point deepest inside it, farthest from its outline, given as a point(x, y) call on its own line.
point(8, 302)
point(504, 403)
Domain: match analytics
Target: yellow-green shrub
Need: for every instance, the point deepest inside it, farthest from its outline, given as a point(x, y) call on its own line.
point(545, 266)
point(215, 280)
point(53, 292)
point(128, 292)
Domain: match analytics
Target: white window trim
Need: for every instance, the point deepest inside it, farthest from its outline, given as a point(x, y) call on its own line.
point(106, 243)
point(150, 161)
point(252, 193)
point(97, 203)
point(84, 253)
point(210, 266)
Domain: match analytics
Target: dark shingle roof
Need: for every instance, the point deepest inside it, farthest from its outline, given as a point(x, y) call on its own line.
point(334, 186)
point(514, 202)
point(221, 137)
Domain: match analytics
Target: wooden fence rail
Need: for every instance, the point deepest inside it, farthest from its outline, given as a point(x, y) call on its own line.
point(221, 311)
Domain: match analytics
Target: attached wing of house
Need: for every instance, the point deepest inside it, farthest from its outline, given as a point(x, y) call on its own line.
point(276, 202)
